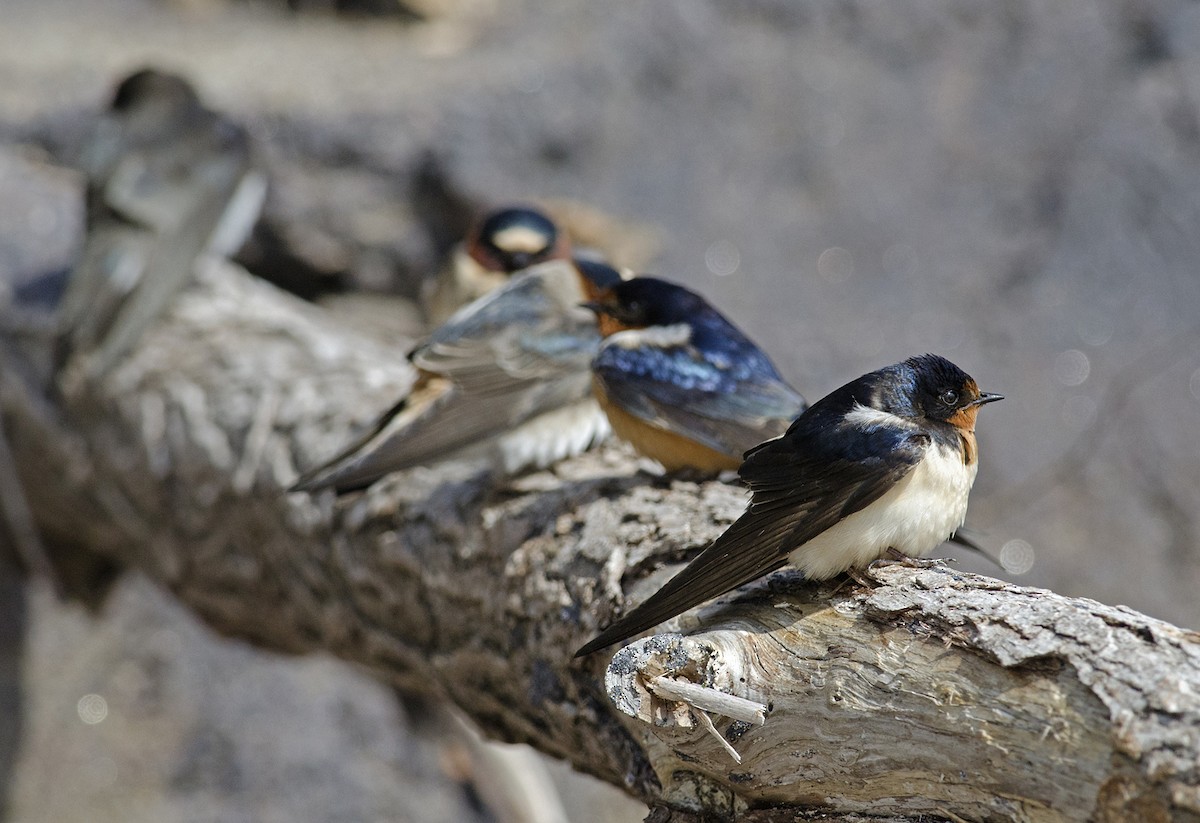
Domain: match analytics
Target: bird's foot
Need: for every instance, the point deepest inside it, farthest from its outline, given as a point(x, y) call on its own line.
point(861, 579)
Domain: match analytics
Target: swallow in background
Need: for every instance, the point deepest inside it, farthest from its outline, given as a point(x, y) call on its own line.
point(680, 382)
point(507, 375)
point(503, 242)
point(168, 181)
point(882, 466)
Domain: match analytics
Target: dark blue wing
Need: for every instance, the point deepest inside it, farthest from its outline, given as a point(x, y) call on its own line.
point(729, 404)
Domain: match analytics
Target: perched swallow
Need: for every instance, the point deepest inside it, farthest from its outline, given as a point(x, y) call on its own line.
point(508, 375)
point(168, 181)
point(680, 382)
point(503, 242)
point(881, 466)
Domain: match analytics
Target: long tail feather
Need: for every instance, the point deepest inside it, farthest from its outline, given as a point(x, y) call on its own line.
point(720, 568)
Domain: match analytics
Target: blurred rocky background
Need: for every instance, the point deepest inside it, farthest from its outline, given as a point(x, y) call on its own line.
point(1015, 185)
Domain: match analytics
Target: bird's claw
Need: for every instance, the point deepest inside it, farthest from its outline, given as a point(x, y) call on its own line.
point(861, 579)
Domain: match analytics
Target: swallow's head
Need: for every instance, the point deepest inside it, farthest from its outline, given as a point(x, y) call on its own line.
point(642, 302)
point(512, 239)
point(151, 87)
point(941, 391)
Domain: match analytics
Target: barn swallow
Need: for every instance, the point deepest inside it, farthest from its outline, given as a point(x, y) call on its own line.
point(508, 375)
point(504, 241)
point(882, 466)
point(680, 382)
point(168, 181)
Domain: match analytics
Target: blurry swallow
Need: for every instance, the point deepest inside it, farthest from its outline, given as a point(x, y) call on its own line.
point(507, 376)
point(882, 466)
point(505, 241)
point(168, 181)
point(680, 382)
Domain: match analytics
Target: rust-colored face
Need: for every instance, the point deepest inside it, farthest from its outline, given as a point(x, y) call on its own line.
point(610, 325)
point(613, 314)
point(593, 292)
point(964, 417)
point(967, 408)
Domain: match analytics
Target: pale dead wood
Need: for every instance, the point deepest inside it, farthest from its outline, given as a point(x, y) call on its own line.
point(935, 695)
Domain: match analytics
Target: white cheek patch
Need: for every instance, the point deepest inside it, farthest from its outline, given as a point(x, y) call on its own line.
point(867, 417)
point(661, 337)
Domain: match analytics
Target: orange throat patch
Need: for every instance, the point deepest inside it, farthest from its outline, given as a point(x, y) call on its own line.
point(964, 421)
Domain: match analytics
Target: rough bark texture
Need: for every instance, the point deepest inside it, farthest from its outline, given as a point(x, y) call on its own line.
point(933, 696)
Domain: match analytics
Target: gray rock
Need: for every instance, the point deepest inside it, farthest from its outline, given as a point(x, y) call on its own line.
point(145, 715)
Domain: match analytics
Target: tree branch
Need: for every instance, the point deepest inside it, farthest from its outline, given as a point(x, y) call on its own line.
point(936, 694)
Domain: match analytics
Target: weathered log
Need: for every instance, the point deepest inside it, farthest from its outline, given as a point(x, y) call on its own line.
point(933, 695)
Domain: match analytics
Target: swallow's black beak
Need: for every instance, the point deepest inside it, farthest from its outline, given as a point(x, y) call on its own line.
point(987, 398)
point(595, 306)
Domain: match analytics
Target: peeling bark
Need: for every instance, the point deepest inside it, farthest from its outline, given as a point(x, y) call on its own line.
point(933, 695)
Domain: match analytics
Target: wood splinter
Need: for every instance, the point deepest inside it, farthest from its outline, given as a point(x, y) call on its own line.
point(706, 700)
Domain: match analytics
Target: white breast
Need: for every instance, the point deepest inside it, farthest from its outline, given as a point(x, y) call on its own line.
point(553, 436)
point(914, 517)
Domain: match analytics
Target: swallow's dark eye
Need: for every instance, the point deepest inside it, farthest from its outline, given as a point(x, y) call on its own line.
point(949, 397)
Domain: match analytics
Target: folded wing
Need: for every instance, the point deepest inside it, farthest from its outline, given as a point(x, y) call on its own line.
point(518, 352)
point(726, 407)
